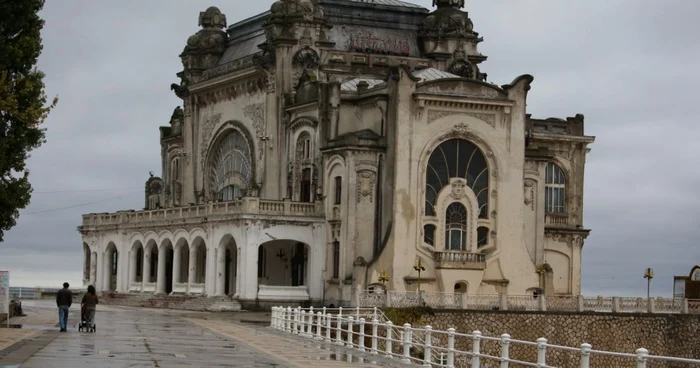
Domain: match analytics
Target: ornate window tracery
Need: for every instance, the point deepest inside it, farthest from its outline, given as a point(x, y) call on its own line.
point(554, 189)
point(230, 166)
point(456, 227)
point(457, 158)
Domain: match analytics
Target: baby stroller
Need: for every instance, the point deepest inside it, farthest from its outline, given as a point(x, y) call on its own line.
point(83, 321)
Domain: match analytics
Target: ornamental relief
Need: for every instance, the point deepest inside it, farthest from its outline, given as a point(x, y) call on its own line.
point(458, 189)
point(529, 193)
point(256, 113)
point(489, 119)
point(365, 184)
point(208, 123)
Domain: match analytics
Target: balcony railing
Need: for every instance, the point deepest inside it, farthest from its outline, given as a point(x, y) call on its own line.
point(556, 219)
point(458, 259)
point(248, 205)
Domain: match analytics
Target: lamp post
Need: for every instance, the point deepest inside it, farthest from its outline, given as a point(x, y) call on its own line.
point(648, 274)
point(384, 277)
point(419, 267)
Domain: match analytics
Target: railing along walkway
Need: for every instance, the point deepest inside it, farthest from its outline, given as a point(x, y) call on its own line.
point(438, 348)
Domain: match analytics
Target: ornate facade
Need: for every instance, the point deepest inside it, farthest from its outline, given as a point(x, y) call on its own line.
point(326, 142)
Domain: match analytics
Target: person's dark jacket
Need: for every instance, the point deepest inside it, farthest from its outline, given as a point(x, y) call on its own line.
point(64, 297)
point(89, 301)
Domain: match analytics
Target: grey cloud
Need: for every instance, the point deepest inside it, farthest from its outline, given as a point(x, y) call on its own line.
point(628, 65)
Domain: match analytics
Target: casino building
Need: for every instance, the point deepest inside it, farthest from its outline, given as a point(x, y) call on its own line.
point(325, 142)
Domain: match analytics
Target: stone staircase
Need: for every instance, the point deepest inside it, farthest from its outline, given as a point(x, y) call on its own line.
point(180, 302)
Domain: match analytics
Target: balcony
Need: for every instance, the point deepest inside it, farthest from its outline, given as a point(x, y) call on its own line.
point(210, 211)
point(460, 260)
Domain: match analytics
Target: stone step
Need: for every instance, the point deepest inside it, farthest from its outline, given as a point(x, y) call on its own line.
point(225, 306)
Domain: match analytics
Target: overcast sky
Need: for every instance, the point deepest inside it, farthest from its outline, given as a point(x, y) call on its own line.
point(630, 66)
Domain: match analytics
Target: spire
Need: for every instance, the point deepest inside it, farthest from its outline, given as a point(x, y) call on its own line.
point(457, 4)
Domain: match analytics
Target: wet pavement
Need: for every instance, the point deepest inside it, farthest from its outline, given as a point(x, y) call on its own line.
point(135, 337)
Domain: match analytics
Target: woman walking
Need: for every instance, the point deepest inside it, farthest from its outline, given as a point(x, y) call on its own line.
point(89, 302)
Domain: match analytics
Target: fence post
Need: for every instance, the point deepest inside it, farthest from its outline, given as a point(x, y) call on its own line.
point(542, 302)
point(361, 338)
point(406, 343)
point(309, 327)
point(615, 304)
point(505, 350)
point(476, 349)
point(357, 312)
point(329, 319)
point(684, 306)
point(428, 356)
point(350, 343)
point(295, 321)
point(642, 357)
point(288, 321)
point(651, 305)
point(542, 351)
point(581, 303)
point(273, 317)
point(319, 324)
point(389, 342)
point(338, 330)
point(302, 319)
point(450, 347)
point(586, 355)
point(503, 301)
point(375, 328)
point(464, 301)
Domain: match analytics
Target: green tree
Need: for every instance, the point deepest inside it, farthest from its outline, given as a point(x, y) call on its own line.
point(22, 103)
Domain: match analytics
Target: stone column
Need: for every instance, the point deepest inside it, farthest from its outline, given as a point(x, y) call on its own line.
point(93, 268)
point(236, 268)
point(192, 267)
point(210, 280)
point(106, 270)
point(220, 271)
point(146, 274)
point(99, 271)
point(249, 272)
point(133, 264)
point(176, 266)
point(160, 277)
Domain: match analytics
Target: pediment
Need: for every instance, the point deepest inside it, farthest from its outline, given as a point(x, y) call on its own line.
point(461, 87)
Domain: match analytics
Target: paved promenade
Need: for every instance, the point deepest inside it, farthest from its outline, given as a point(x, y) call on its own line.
point(135, 337)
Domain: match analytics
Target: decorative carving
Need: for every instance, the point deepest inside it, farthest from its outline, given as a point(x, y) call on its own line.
point(256, 113)
point(437, 114)
point(208, 124)
point(365, 186)
point(530, 193)
point(532, 166)
point(271, 81)
point(494, 193)
point(305, 39)
point(370, 44)
point(462, 68)
point(458, 189)
point(306, 58)
point(447, 22)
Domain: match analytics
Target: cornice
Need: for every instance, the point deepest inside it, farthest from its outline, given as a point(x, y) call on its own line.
point(461, 103)
point(224, 79)
point(558, 138)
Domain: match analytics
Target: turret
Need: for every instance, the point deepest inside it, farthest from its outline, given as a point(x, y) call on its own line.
point(448, 37)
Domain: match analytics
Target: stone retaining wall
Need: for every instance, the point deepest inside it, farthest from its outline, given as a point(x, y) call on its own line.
point(180, 302)
point(667, 335)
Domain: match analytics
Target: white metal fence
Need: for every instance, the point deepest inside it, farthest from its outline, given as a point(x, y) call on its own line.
point(580, 303)
point(438, 348)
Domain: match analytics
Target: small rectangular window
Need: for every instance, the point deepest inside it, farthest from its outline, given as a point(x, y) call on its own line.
point(338, 189)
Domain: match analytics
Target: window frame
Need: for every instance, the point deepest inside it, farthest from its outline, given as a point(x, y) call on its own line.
point(555, 189)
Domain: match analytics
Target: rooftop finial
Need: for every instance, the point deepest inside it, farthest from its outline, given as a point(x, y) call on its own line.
point(449, 3)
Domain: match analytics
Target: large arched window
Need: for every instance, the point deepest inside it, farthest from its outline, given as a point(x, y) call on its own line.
point(457, 158)
point(456, 227)
point(554, 189)
point(304, 159)
point(230, 166)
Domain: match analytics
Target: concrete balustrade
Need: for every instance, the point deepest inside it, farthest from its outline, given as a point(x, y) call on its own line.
point(438, 347)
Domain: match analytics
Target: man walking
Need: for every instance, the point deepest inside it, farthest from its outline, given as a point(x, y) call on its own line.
point(64, 298)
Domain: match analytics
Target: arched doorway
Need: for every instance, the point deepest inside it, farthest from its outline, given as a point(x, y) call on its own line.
point(165, 257)
point(226, 266)
point(460, 287)
point(111, 261)
point(136, 266)
point(199, 262)
point(150, 263)
point(181, 263)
